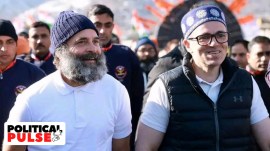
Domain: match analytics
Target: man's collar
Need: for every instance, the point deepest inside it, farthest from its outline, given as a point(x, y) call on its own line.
point(254, 72)
point(107, 47)
point(217, 81)
point(65, 89)
point(45, 58)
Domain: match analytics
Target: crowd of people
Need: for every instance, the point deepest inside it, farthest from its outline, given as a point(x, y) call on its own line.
point(203, 94)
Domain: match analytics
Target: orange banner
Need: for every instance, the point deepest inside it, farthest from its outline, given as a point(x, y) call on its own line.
point(155, 12)
point(164, 5)
point(237, 5)
point(246, 19)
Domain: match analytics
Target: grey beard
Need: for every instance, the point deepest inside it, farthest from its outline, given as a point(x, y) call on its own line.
point(74, 68)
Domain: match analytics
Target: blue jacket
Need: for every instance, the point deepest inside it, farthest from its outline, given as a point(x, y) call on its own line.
point(124, 66)
point(14, 81)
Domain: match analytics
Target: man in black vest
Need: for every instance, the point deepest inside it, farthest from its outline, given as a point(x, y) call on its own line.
point(207, 103)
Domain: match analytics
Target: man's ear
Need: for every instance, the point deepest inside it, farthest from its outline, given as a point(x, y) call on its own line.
point(186, 43)
point(248, 56)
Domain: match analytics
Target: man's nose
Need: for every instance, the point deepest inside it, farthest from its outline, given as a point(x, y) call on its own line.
point(264, 57)
point(39, 40)
point(213, 41)
point(3, 48)
point(93, 48)
point(237, 57)
point(102, 30)
point(146, 53)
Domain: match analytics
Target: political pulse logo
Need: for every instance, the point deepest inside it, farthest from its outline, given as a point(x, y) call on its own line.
point(35, 133)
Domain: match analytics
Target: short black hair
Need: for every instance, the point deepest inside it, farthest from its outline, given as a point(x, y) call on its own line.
point(24, 34)
point(258, 39)
point(241, 41)
point(40, 24)
point(99, 9)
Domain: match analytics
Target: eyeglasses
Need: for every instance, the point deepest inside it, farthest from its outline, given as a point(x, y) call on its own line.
point(206, 39)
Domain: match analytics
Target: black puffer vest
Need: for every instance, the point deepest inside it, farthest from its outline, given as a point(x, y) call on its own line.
point(198, 124)
point(264, 88)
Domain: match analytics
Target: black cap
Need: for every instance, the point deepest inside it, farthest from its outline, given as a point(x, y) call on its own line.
point(7, 29)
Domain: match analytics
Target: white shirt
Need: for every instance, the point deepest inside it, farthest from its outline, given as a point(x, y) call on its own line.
point(94, 114)
point(157, 102)
point(211, 89)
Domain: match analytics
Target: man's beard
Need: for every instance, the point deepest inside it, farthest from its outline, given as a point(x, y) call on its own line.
point(74, 68)
point(147, 65)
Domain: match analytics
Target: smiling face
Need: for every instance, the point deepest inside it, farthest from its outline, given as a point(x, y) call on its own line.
point(81, 60)
point(211, 55)
point(85, 42)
